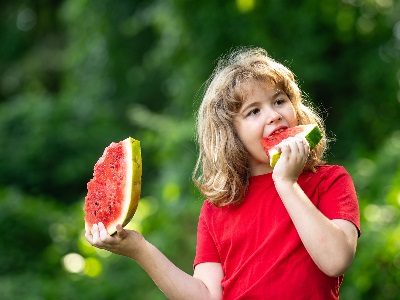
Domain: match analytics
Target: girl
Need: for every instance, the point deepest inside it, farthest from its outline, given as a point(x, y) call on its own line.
point(284, 233)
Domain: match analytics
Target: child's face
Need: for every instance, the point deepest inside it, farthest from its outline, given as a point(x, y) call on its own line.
point(265, 108)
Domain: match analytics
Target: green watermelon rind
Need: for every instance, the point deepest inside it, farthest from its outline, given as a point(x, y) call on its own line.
point(312, 134)
point(274, 157)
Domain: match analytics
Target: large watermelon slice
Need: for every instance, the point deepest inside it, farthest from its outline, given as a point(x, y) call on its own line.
point(311, 132)
point(114, 191)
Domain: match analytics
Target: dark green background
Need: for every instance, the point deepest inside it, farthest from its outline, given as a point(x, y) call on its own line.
point(76, 75)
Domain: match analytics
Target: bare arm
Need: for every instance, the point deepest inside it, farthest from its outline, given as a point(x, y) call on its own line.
point(330, 243)
point(173, 282)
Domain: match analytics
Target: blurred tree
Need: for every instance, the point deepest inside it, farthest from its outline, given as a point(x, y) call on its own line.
point(77, 75)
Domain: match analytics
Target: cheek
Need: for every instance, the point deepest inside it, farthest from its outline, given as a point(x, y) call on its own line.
point(239, 132)
point(292, 117)
point(295, 120)
point(242, 132)
point(241, 135)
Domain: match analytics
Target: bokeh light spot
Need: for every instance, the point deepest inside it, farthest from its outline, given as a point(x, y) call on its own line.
point(92, 267)
point(73, 262)
point(365, 167)
point(245, 6)
point(171, 192)
point(26, 19)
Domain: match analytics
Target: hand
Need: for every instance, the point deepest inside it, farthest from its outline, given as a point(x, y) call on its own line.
point(294, 154)
point(124, 242)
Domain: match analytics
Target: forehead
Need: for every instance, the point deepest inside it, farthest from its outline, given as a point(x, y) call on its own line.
point(258, 87)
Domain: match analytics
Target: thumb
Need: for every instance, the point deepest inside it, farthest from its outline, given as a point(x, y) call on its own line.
point(121, 232)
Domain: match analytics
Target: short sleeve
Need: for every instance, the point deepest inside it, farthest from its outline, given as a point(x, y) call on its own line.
point(338, 199)
point(206, 250)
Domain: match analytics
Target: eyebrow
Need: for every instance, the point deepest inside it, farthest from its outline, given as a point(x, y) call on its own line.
point(246, 107)
point(279, 92)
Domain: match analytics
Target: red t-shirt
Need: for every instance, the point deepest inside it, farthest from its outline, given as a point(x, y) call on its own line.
point(258, 246)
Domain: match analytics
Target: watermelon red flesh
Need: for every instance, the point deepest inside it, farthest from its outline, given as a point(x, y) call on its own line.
point(311, 133)
point(274, 139)
point(114, 191)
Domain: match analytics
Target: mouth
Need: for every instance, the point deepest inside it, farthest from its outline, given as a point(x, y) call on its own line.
point(278, 130)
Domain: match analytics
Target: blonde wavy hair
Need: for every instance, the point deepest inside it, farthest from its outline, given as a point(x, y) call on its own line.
point(222, 171)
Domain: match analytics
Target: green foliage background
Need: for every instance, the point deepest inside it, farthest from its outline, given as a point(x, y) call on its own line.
point(76, 75)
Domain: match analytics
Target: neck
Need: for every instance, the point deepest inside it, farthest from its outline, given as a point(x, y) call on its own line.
point(260, 169)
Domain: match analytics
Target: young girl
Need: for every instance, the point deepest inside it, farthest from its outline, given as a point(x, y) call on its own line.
point(284, 233)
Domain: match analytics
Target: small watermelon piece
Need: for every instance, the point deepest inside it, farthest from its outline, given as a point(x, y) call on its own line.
point(114, 191)
point(311, 132)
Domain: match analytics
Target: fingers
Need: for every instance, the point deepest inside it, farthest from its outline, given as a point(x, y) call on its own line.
point(88, 234)
point(295, 145)
point(100, 237)
point(295, 151)
point(301, 146)
point(95, 234)
point(103, 232)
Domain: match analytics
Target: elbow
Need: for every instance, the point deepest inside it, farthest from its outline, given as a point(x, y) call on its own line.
point(334, 272)
point(338, 256)
point(337, 267)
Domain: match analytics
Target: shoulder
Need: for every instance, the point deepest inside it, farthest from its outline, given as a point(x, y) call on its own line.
point(207, 205)
point(211, 214)
point(331, 169)
point(208, 209)
point(332, 180)
point(334, 173)
point(326, 171)
point(325, 176)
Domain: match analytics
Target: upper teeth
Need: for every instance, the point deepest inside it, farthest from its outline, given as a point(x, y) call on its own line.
point(279, 130)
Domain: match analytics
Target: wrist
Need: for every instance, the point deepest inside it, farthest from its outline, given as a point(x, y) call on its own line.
point(136, 246)
point(283, 181)
point(285, 186)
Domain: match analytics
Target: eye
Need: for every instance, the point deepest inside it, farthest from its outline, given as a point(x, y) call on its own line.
point(280, 101)
point(253, 112)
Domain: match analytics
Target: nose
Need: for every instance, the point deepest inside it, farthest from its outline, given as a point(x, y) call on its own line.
point(273, 116)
